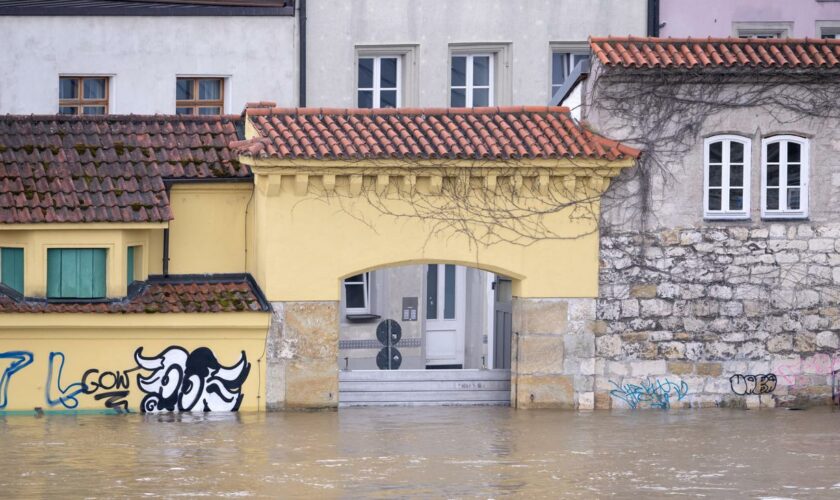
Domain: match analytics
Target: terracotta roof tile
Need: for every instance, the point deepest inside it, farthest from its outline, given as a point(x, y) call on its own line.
point(174, 294)
point(459, 133)
point(688, 53)
point(106, 169)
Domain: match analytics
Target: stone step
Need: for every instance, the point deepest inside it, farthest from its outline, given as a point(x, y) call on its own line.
point(426, 385)
point(422, 396)
point(364, 404)
point(421, 375)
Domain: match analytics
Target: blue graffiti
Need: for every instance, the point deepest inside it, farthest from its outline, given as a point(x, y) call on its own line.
point(22, 359)
point(656, 393)
point(68, 394)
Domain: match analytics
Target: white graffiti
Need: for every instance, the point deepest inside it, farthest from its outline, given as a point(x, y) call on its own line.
point(190, 381)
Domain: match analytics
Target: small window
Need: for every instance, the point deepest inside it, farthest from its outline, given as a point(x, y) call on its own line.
point(83, 95)
point(133, 254)
point(11, 268)
point(562, 65)
point(830, 33)
point(471, 80)
point(379, 82)
point(784, 177)
point(727, 178)
point(76, 273)
point(357, 294)
point(760, 34)
point(199, 96)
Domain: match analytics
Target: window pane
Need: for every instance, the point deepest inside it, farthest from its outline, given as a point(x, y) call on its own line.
point(736, 175)
point(93, 110)
point(431, 291)
point(736, 199)
point(715, 175)
point(772, 175)
point(365, 73)
point(714, 199)
point(183, 111)
point(210, 111)
point(365, 98)
point(355, 295)
point(794, 151)
point(94, 88)
point(68, 110)
point(449, 292)
point(11, 268)
point(209, 90)
point(458, 98)
point(716, 152)
point(576, 59)
point(388, 99)
point(773, 199)
point(388, 72)
point(184, 89)
point(129, 268)
point(359, 278)
point(459, 71)
point(68, 88)
point(793, 199)
point(736, 152)
point(481, 70)
point(793, 177)
point(481, 97)
point(773, 152)
point(558, 65)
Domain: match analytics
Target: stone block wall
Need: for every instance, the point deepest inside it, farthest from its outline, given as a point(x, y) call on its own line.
point(700, 306)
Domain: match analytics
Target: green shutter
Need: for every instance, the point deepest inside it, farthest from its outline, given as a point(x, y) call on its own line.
point(77, 273)
point(130, 266)
point(11, 268)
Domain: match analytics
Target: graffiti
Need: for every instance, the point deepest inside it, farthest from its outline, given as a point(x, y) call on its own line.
point(20, 360)
point(752, 384)
point(655, 393)
point(67, 395)
point(115, 384)
point(185, 381)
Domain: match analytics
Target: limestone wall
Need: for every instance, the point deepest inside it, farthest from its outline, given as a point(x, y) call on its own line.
point(703, 305)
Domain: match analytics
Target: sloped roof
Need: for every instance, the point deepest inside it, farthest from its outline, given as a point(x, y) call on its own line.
point(107, 168)
point(496, 133)
point(710, 53)
point(173, 294)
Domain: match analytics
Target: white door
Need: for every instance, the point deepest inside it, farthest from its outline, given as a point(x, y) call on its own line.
point(446, 304)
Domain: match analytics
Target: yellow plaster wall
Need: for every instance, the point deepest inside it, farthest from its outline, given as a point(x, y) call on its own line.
point(306, 242)
point(208, 233)
point(115, 238)
point(104, 346)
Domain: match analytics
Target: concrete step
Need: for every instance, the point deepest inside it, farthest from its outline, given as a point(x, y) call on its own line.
point(428, 385)
point(421, 375)
point(418, 396)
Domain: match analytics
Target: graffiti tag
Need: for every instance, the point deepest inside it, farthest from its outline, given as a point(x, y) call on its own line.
point(20, 360)
point(185, 381)
point(752, 384)
point(114, 384)
point(656, 393)
point(67, 395)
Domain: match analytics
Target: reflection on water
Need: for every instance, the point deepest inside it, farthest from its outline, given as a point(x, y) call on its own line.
point(427, 452)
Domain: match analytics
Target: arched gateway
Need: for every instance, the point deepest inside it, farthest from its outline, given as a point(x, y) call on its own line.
point(514, 191)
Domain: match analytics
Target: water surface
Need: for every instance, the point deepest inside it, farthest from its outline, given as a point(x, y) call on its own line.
point(426, 452)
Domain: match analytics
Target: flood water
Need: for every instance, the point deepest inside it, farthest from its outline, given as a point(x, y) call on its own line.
point(426, 452)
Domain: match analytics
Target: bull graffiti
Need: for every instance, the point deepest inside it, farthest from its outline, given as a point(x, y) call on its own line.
point(656, 393)
point(187, 381)
point(743, 385)
point(20, 360)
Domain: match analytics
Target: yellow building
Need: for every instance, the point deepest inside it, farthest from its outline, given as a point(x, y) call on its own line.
point(172, 263)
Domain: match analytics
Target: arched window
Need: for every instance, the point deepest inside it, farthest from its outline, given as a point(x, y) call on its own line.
point(726, 177)
point(784, 177)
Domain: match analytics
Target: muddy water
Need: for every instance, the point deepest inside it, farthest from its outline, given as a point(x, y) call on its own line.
point(426, 452)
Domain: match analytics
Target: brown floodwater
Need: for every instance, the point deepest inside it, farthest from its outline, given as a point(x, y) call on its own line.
point(426, 452)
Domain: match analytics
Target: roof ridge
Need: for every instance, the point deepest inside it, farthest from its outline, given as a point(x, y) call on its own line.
point(710, 39)
point(268, 111)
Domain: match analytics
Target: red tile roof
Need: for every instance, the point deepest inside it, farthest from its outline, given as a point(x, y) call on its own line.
point(677, 53)
point(106, 169)
point(175, 294)
point(410, 133)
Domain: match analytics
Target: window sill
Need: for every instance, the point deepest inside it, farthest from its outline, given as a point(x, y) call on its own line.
point(361, 318)
point(725, 217)
point(784, 216)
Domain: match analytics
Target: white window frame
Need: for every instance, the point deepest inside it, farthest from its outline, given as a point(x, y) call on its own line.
point(725, 213)
point(804, 171)
point(366, 291)
point(468, 82)
point(759, 29)
point(377, 62)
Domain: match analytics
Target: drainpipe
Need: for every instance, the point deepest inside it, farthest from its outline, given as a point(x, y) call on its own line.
point(302, 55)
point(166, 234)
point(653, 18)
